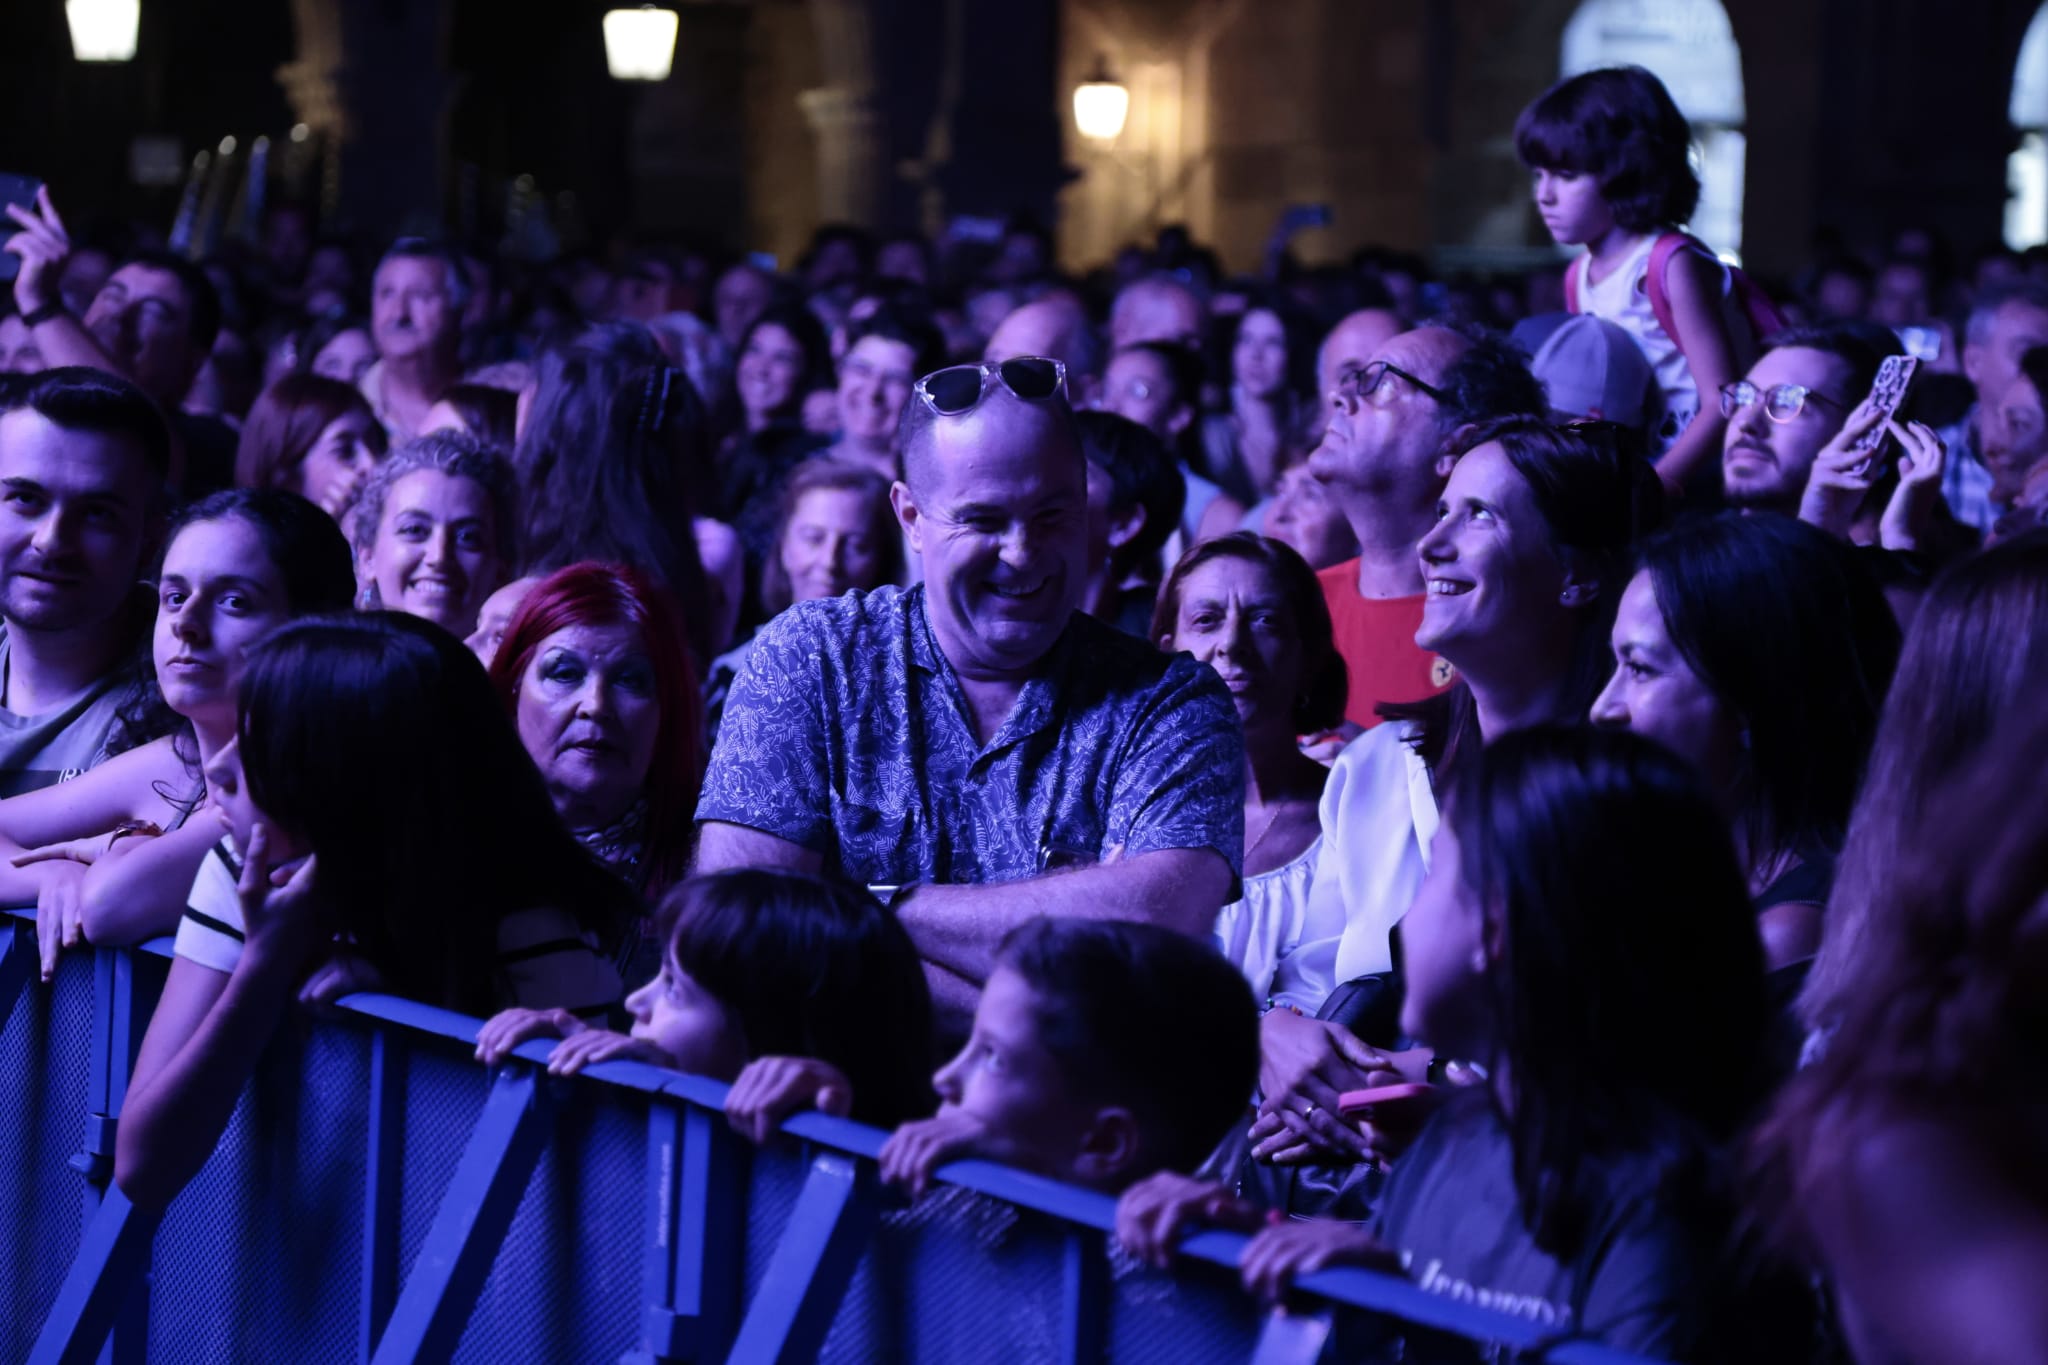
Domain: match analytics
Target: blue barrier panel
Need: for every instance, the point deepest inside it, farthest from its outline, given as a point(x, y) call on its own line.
point(378, 1194)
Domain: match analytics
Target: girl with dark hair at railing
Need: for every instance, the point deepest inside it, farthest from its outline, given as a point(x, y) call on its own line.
point(1584, 940)
point(801, 990)
point(108, 856)
point(388, 830)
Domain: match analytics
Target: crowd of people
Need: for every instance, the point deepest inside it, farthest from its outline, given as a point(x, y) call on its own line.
point(1526, 783)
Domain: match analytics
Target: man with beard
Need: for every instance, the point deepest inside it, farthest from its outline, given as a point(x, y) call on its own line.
point(82, 467)
point(1782, 414)
point(975, 748)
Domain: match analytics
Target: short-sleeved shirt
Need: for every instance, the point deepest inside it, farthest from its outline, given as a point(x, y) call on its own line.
point(543, 962)
point(1644, 1281)
point(60, 743)
point(1376, 639)
point(847, 732)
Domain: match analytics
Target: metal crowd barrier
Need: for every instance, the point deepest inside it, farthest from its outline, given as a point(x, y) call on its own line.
point(378, 1196)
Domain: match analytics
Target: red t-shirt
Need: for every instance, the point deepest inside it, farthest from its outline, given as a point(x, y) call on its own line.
point(1376, 637)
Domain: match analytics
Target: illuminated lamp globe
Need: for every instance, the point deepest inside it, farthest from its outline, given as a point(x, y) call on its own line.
point(640, 44)
point(1100, 105)
point(103, 30)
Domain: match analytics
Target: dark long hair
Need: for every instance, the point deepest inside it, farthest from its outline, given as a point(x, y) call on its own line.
point(812, 967)
point(1785, 626)
point(376, 738)
point(285, 421)
point(1597, 496)
point(606, 595)
point(614, 443)
point(1325, 684)
point(1943, 1011)
point(1630, 1002)
point(310, 554)
point(804, 329)
point(1621, 126)
point(1970, 672)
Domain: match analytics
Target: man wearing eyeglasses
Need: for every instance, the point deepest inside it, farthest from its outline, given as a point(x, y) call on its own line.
point(1787, 408)
point(1386, 420)
point(974, 748)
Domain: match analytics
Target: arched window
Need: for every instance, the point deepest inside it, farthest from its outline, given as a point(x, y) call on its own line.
point(1690, 47)
point(2026, 170)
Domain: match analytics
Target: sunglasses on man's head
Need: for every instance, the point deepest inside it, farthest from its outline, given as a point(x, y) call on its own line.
point(958, 389)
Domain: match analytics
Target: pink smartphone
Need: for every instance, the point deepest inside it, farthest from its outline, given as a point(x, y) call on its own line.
point(1396, 1106)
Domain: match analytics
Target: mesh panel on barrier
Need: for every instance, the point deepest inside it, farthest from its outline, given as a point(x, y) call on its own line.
point(566, 1286)
point(444, 1093)
point(957, 1277)
point(46, 1052)
point(1195, 1315)
point(276, 1216)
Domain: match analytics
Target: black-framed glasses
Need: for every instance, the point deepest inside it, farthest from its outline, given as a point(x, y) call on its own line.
point(957, 389)
point(1364, 383)
point(1782, 402)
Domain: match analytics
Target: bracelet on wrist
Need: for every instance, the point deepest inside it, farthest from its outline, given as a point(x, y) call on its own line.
point(36, 317)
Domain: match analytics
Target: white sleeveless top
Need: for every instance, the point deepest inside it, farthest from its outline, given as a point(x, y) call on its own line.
point(1623, 298)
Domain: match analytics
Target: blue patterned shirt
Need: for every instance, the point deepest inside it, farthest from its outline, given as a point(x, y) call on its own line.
point(847, 732)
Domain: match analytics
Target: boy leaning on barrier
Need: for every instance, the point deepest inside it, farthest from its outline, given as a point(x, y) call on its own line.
point(1102, 1051)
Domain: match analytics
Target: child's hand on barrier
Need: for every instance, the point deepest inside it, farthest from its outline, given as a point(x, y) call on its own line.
point(507, 1029)
point(342, 974)
point(770, 1089)
point(1153, 1215)
point(1284, 1252)
point(592, 1045)
point(914, 1152)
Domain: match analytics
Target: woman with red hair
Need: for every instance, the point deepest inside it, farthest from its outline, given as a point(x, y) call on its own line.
point(597, 678)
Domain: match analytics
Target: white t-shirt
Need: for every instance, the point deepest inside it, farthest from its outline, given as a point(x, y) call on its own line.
point(1623, 298)
point(544, 961)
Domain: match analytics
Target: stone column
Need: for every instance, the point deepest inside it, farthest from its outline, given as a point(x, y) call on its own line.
point(371, 80)
point(843, 114)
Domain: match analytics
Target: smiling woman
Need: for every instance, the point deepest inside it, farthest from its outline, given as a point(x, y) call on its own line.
point(434, 530)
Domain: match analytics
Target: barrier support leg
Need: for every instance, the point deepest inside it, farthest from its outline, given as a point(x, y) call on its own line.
point(17, 963)
point(835, 1214)
point(695, 1176)
point(1084, 1296)
point(1294, 1339)
point(435, 1304)
point(380, 1189)
point(111, 1257)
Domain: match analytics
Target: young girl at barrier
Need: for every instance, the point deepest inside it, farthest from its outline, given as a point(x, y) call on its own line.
point(108, 856)
point(386, 828)
point(784, 983)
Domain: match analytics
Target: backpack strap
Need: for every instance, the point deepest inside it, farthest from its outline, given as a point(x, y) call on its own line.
point(1668, 245)
point(1572, 271)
